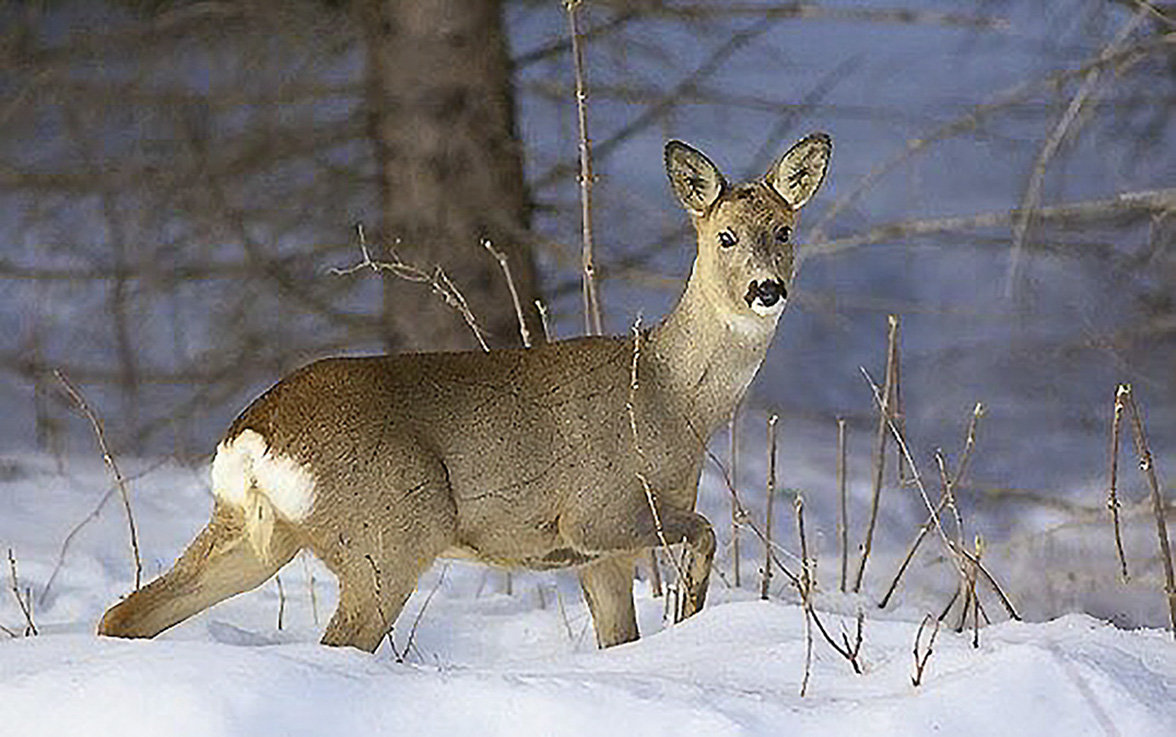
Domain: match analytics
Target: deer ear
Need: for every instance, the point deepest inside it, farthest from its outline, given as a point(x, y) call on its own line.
point(696, 180)
point(798, 173)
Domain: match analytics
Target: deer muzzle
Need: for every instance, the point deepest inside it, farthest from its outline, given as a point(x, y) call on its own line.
point(766, 293)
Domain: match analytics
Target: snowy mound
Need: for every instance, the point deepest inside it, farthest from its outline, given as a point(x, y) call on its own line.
point(486, 662)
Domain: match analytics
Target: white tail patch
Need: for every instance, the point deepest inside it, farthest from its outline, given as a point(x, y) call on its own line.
point(248, 474)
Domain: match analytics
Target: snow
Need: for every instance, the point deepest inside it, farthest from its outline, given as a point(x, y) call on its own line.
point(485, 662)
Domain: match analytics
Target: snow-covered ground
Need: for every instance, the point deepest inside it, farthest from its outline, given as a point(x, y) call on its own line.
point(484, 661)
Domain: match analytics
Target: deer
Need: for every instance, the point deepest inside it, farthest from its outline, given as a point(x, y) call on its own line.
point(584, 452)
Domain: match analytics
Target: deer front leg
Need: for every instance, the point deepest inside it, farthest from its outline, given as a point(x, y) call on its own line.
point(629, 527)
point(608, 588)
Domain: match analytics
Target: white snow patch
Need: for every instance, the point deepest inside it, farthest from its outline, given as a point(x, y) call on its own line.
point(487, 663)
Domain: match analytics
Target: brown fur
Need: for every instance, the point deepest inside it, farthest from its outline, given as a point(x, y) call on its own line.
point(514, 457)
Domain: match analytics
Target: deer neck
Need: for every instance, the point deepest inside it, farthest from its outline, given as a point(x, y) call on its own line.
point(705, 356)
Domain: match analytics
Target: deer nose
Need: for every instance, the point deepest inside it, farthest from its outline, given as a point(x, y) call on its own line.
point(768, 292)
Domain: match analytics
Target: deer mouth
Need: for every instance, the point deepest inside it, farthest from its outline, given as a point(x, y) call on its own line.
point(765, 294)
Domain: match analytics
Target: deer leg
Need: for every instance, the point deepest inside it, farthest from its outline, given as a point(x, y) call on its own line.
point(405, 525)
point(632, 528)
point(221, 562)
point(608, 588)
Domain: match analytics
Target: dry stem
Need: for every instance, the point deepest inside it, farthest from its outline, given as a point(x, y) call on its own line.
point(24, 602)
point(108, 458)
point(438, 281)
point(631, 408)
point(843, 505)
point(958, 553)
point(946, 500)
point(416, 621)
point(281, 602)
point(885, 411)
point(500, 257)
point(1148, 467)
point(93, 515)
point(921, 659)
point(734, 465)
point(1033, 190)
point(542, 308)
point(1112, 494)
point(592, 324)
point(766, 581)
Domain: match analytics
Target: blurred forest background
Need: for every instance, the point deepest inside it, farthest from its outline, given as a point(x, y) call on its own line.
point(178, 179)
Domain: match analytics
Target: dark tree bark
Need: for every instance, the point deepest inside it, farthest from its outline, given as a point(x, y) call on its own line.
point(449, 166)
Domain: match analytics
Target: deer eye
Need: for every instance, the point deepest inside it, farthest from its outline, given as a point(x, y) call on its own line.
point(783, 233)
point(727, 239)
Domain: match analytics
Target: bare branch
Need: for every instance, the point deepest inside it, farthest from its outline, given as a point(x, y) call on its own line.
point(922, 658)
point(1053, 142)
point(438, 281)
point(592, 324)
point(843, 505)
point(500, 257)
point(1112, 493)
point(885, 417)
point(24, 602)
point(108, 458)
point(766, 580)
point(1147, 466)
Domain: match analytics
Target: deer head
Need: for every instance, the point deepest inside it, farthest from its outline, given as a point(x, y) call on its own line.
point(746, 257)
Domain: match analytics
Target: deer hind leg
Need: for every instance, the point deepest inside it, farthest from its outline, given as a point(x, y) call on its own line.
point(221, 562)
point(404, 524)
point(608, 588)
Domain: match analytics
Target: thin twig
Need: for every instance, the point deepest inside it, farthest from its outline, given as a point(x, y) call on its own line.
point(958, 553)
point(885, 412)
point(808, 650)
point(843, 505)
point(592, 324)
point(281, 602)
point(438, 281)
point(408, 645)
point(542, 308)
point(24, 602)
point(766, 580)
point(1148, 467)
point(1140, 203)
point(743, 514)
point(846, 650)
point(631, 408)
point(93, 515)
point(655, 577)
point(108, 458)
point(500, 257)
point(947, 500)
point(733, 462)
point(1112, 493)
point(308, 574)
point(921, 659)
point(967, 122)
point(1052, 143)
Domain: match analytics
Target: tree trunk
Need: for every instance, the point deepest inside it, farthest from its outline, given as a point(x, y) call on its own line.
point(441, 117)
